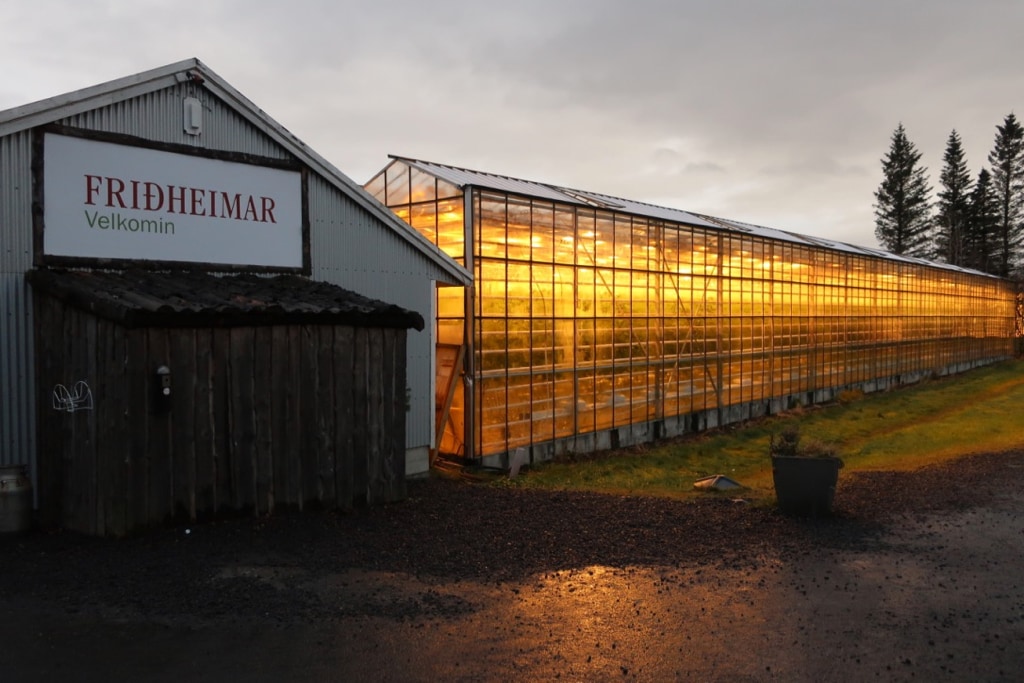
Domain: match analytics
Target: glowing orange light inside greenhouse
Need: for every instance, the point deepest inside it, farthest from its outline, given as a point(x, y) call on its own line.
point(587, 320)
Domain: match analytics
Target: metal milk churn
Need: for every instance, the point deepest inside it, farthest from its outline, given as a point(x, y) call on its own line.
point(15, 499)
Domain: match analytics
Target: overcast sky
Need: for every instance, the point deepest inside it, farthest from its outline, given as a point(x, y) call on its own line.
point(775, 112)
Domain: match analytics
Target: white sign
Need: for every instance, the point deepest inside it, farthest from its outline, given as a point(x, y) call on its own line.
point(111, 201)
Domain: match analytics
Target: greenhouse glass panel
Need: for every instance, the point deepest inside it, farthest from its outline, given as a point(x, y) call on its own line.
point(542, 239)
point(492, 234)
point(423, 217)
point(586, 239)
point(451, 236)
point(565, 236)
point(518, 230)
point(398, 184)
point(377, 186)
point(423, 186)
point(492, 287)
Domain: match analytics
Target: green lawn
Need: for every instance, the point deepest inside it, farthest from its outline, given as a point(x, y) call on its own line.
point(934, 420)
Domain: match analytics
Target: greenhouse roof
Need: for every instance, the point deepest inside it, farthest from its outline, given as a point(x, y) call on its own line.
point(465, 178)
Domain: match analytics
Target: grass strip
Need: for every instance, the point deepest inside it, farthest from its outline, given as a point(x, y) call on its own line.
point(934, 420)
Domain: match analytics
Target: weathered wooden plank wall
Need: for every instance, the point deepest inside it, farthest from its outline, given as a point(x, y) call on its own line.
point(159, 453)
point(206, 433)
point(259, 419)
point(137, 394)
point(309, 400)
point(263, 359)
point(111, 350)
point(49, 371)
point(183, 354)
point(326, 432)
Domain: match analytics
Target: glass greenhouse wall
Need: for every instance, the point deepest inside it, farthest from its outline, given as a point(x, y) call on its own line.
point(594, 326)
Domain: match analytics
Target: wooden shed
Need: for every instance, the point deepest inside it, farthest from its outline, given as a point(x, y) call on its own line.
point(185, 396)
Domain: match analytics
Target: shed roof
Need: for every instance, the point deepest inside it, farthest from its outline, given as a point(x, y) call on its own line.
point(141, 298)
point(194, 71)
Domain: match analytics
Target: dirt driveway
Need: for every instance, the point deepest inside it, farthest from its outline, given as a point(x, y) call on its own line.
point(919, 577)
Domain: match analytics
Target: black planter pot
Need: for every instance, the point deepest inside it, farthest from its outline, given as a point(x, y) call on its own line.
point(805, 486)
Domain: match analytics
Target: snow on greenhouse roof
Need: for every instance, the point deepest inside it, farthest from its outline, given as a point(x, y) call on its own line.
point(464, 178)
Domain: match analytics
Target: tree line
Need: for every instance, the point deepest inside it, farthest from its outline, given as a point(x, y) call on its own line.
point(976, 222)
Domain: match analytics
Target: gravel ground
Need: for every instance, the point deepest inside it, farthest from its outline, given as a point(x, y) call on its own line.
point(318, 567)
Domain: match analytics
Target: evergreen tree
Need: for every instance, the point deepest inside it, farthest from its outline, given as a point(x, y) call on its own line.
point(979, 233)
point(953, 205)
point(902, 220)
point(1007, 162)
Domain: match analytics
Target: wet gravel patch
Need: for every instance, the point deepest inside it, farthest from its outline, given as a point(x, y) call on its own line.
point(401, 561)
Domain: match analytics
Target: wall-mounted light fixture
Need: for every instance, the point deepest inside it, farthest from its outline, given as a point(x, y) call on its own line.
point(192, 114)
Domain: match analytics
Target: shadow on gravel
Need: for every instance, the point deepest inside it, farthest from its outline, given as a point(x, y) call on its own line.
point(449, 531)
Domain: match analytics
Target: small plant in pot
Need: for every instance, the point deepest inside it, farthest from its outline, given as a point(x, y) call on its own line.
point(805, 473)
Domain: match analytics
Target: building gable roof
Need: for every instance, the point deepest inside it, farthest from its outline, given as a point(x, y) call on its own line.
point(193, 70)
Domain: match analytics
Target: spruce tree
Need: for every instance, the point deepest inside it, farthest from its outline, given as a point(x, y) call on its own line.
point(982, 218)
point(953, 205)
point(902, 220)
point(1007, 162)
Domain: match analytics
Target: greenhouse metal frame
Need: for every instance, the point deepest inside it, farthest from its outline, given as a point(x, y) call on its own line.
point(598, 322)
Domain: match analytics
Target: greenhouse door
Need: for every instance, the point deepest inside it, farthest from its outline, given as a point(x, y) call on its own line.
point(451, 357)
point(449, 400)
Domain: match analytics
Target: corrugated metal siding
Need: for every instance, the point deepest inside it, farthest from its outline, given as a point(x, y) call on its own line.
point(349, 248)
point(17, 396)
point(158, 116)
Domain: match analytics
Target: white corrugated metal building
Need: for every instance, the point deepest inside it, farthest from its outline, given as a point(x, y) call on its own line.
point(351, 239)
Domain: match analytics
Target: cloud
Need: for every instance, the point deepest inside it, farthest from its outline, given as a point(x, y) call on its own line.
point(775, 113)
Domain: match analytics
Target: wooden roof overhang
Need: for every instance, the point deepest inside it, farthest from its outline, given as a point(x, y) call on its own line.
point(139, 298)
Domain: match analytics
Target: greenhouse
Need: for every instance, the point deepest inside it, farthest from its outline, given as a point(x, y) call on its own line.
point(599, 322)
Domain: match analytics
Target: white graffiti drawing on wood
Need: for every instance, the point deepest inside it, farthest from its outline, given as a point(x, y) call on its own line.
point(79, 397)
